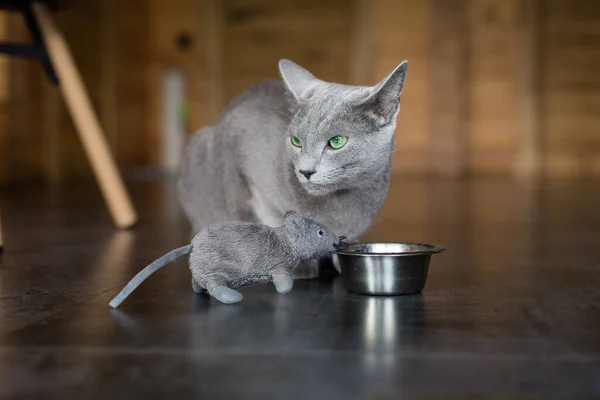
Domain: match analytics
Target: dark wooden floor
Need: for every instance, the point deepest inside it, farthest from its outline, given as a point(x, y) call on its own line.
point(511, 309)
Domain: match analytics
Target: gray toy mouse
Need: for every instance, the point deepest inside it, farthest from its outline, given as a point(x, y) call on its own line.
point(230, 255)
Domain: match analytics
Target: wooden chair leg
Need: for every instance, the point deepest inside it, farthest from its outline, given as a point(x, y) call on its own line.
point(86, 121)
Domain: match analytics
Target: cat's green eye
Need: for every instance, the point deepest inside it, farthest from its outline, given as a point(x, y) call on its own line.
point(296, 141)
point(337, 142)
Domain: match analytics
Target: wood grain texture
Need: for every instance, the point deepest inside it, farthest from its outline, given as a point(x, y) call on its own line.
point(4, 100)
point(493, 78)
point(212, 34)
point(529, 157)
point(136, 143)
point(493, 87)
point(24, 154)
point(401, 32)
point(449, 90)
point(510, 307)
point(363, 43)
point(121, 49)
point(571, 84)
point(83, 16)
point(86, 121)
point(172, 23)
point(257, 34)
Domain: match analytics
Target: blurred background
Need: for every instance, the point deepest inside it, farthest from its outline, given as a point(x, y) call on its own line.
point(494, 87)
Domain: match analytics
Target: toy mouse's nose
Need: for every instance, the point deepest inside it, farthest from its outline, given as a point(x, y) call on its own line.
point(307, 174)
point(339, 242)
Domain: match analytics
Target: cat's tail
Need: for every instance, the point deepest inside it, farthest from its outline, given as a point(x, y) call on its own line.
point(146, 272)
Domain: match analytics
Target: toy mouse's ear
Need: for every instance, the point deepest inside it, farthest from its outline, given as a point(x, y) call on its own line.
point(292, 219)
point(291, 214)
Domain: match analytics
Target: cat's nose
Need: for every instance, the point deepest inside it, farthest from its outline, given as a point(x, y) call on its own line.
point(307, 174)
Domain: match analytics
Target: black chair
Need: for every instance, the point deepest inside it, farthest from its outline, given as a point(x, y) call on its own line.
point(51, 49)
point(37, 50)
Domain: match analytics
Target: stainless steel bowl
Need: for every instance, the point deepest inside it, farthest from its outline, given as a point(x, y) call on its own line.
point(385, 268)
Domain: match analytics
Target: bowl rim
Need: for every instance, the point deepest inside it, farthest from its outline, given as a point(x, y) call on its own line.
point(431, 249)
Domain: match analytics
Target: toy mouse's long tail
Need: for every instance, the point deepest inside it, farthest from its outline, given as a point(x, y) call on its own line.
point(146, 272)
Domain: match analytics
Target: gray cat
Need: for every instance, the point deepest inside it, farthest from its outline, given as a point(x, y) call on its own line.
point(321, 148)
point(229, 255)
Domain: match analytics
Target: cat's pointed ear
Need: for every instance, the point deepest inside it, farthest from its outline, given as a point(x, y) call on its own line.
point(298, 80)
point(383, 103)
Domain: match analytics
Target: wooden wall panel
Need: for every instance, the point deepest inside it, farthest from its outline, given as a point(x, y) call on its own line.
point(494, 76)
point(362, 50)
point(135, 142)
point(401, 32)
point(121, 49)
point(40, 134)
point(175, 40)
point(257, 33)
point(82, 16)
point(212, 38)
point(449, 87)
point(23, 141)
point(571, 87)
point(4, 100)
point(528, 158)
point(493, 87)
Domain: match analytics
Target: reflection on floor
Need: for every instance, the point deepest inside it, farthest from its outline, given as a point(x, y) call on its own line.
point(512, 308)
